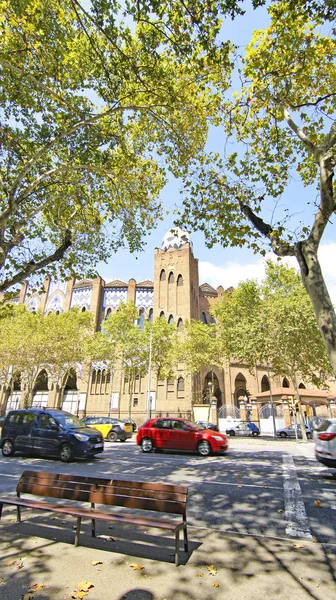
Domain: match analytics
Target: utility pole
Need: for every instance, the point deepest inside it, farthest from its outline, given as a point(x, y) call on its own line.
point(149, 400)
point(271, 399)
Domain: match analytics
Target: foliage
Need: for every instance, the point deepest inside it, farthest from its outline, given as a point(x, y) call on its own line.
point(165, 341)
point(282, 120)
point(199, 346)
point(30, 342)
point(273, 322)
point(97, 106)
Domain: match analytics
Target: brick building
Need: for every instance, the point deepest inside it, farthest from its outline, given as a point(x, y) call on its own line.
point(173, 294)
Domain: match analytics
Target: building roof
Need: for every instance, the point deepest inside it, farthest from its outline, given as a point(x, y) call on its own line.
point(175, 238)
point(207, 290)
point(306, 395)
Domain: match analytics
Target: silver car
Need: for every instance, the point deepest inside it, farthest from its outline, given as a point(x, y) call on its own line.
point(290, 432)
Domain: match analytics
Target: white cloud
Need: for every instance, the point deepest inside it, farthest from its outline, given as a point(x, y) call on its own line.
point(232, 273)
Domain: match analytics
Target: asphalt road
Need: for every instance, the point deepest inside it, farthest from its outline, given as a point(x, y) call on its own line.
point(260, 487)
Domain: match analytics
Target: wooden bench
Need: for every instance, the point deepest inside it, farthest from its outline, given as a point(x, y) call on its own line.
point(135, 495)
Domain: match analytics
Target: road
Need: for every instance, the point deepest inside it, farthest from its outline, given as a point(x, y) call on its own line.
point(261, 487)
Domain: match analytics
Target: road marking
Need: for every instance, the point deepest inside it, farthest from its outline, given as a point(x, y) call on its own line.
point(298, 524)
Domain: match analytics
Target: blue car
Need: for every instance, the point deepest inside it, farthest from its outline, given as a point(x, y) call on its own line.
point(49, 432)
point(244, 429)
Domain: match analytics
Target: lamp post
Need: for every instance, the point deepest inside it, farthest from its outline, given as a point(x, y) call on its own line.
point(149, 399)
point(271, 399)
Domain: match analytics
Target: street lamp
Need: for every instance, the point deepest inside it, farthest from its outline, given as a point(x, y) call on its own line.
point(271, 399)
point(149, 399)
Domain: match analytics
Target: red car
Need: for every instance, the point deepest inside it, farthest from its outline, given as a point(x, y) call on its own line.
point(179, 434)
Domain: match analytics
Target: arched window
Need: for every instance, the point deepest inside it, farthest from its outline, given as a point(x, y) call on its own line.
point(212, 320)
point(93, 381)
point(180, 384)
point(302, 386)
point(150, 315)
point(171, 277)
point(41, 384)
point(170, 320)
point(203, 318)
point(108, 377)
point(162, 315)
point(180, 325)
point(265, 386)
point(285, 382)
point(179, 281)
point(108, 312)
point(71, 382)
point(163, 275)
point(98, 378)
point(141, 319)
point(17, 383)
point(84, 309)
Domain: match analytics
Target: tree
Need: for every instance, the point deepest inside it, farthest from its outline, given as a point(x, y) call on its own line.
point(282, 121)
point(98, 102)
point(274, 323)
point(31, 343)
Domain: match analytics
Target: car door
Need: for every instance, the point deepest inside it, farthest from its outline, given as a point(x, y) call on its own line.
point(24, 428)
point(46, 435)
point(182, 437)
point(161, 433)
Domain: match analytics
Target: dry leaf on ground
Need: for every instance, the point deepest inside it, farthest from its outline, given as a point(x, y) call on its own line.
point(113, 539)
point(96, 562)
point(298, 546)
point(216, 584)
point(136, 567)
point(85, 586)
point(199, 574)
point(318, 503)
point(212, 570)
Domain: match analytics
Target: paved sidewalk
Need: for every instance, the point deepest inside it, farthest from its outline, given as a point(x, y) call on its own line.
point(39, 551)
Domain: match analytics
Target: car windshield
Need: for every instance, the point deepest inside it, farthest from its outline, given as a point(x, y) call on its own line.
point(194, 425)
point(67, 420)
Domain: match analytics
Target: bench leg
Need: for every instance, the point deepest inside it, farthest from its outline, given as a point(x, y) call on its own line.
point(93, 523)
point(78, 531)
point(177, 547)
point(185, 538)
point(1, 505)
point(18, 514)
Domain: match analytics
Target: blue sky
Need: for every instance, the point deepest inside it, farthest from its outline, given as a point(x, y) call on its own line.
point(218, 265)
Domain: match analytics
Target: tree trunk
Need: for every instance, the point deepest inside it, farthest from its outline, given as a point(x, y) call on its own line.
point(298, 401)
point(317, 290)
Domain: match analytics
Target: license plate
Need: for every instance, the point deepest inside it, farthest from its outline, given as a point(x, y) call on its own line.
point(98, 445)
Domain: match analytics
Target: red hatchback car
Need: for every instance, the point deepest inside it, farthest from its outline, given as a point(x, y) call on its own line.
point(179, 434)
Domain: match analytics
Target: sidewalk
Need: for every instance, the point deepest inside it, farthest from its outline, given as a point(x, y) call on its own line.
point(39, 552)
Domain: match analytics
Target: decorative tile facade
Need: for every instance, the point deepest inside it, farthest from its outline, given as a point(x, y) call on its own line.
point(56, 303)
point(114, 296)
point(57, 285)
point(81, 297)
point(144, 297)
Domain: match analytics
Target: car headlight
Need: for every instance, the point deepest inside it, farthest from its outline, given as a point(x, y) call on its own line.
point(81, 437)
point(218, 437)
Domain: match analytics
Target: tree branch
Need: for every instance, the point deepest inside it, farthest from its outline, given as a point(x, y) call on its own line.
point(301, 135)
point(33, 266)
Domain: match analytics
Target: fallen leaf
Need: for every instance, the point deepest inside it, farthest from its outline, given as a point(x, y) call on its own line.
point(113, 539)
point(19, 565)
point(199, 574)
point(96, 562)
point(212, 570)
point(314, 541)
point(85, 586)
point(216, 584)
point(238, 475)
point(36, 587)
point(297, 546)
point(318, 503)
point(136, 567)
point(80, 595)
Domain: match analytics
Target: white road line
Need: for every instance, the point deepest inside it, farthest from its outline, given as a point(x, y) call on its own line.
point(298, 524)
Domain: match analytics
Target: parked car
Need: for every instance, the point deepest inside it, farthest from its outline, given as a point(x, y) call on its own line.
point(290, 432)
point(49, 432)
point(244, 429)
point(133, 423)
point(179, 434)
point(207, 425)
point(2, 420)
point(111, 429)
point(325, 442)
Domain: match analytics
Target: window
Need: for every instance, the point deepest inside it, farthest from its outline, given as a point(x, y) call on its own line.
point(203, 318)
point(150, 315)
point(135, 401)
point(170, 320)
point(180, 384)
point(180, 325)
point(171, 278)
point(83, 309)
point(163, 424)
point(47, 422)
point(108, 312)
point(285, 382)
point(179, 281)
point(170, 385)
point(141, 319)
point(162, 315)
point(163, 275)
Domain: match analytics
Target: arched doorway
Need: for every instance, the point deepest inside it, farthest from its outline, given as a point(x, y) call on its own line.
point(71, 397)
point(40, 390)
point(211, 388)
point(240, 389)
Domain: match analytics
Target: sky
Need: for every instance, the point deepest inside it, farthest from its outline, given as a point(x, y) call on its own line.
point(218, 265)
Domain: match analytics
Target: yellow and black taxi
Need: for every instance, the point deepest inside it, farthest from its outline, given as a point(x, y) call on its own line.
point(110, 428)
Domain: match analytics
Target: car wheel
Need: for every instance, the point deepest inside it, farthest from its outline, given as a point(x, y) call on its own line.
point(255, 434)
point(66, 453)
point(204, 448)
point(309, 436)
point(232, 433)
point(112, 436)
point(147, 445)
point(8, 448)
point(283, 434)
